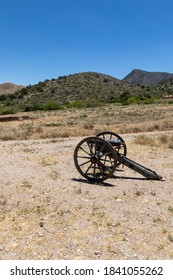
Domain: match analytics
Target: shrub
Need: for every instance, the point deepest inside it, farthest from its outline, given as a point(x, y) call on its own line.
point(8, 110)
point(75, 104)
point(51, 106)
point(91, 103)
point(88, 125)
point(124, 98)
point(31, 107)
point(134, 99)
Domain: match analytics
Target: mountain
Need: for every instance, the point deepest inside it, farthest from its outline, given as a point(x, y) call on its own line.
point(8, 88)
point(146, 78)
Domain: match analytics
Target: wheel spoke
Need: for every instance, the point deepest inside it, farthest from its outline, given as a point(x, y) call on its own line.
point(86, 172)
point(83, 157)
point(106, 160)
point(85, 151)
point(101, 149)
point(84, 163)
point(90, 146)
point(104, 166)
point(101, 170)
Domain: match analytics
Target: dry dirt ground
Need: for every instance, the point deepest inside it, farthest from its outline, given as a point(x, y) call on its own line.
point(48, 211)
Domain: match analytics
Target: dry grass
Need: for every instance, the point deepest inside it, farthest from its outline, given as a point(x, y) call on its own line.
point(160, 140)
point(90, 121)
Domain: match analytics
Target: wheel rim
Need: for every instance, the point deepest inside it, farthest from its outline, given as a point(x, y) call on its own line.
point(121, 148)
point(95, 159)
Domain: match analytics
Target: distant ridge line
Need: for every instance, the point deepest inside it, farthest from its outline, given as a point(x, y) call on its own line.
point(147, 78)
point(135, 77)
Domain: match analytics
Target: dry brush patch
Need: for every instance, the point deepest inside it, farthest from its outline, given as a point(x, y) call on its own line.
point(89, 121)
point(162, 140)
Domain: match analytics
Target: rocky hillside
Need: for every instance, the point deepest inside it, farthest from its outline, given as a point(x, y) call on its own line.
point(87, 89)
point(78, 86)
point(8, 88)
point(145, 78)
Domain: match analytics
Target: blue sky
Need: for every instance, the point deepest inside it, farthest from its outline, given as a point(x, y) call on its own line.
point(44, 39)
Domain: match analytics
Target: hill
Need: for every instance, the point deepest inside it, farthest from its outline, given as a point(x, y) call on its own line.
point(8, 88)
point(90, 88)
point(78, 86)
point(145, 78)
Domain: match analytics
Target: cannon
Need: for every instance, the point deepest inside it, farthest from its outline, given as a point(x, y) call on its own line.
point(97, 157)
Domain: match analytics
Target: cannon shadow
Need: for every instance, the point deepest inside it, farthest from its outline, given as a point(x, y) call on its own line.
point(104, 184)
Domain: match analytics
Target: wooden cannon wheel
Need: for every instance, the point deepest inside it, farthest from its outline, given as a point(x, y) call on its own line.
point(95, 159)
point(114, 138)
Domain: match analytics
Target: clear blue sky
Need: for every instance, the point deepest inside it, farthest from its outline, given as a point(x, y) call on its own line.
point(44, 39)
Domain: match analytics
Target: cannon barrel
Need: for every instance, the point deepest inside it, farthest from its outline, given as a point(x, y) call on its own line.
point(146, 172)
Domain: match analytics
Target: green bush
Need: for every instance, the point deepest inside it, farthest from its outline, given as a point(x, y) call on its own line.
point(28, 107)
point(75, 104)
point(8, 110)
point(51, 106)
point(124, 98)
point(134, 99)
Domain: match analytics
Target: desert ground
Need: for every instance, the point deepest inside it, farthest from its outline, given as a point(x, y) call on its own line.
point(48, 211)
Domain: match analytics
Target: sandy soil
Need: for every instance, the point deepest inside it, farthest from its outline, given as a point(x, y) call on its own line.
point(48, 211)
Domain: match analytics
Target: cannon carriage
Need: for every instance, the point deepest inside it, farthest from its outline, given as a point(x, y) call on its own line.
point(97, 157)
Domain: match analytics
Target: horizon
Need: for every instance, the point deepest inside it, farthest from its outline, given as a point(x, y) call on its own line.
point(8, 82)
point(46, 39)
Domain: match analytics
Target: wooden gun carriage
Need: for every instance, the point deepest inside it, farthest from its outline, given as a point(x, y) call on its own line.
point(97, 157)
